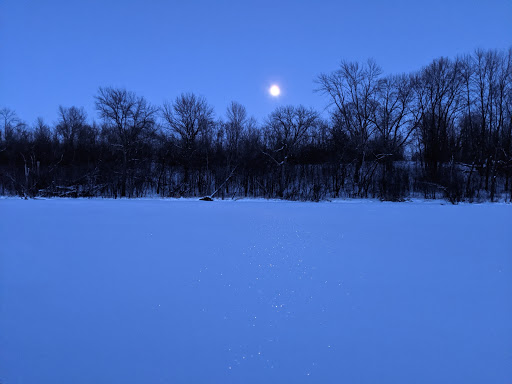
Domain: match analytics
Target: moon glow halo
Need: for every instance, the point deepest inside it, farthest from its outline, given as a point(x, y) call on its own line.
point(274, 90)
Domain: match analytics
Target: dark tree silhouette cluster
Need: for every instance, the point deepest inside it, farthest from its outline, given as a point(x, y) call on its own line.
point(442, 132)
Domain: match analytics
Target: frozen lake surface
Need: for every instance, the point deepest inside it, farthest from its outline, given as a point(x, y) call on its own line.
point(152, 291)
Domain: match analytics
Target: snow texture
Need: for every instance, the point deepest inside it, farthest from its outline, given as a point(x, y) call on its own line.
point(155, 291)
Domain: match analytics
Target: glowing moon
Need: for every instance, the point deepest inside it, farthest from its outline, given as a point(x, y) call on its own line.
point(274, 90)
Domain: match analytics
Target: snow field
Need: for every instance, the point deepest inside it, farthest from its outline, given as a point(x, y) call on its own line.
point(165, 291)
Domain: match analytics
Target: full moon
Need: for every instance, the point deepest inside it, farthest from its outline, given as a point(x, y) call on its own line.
point(274, 90)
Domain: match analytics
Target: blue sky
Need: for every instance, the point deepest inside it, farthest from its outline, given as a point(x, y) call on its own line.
point(57, 52)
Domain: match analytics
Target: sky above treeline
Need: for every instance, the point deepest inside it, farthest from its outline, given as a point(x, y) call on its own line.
point(58, 52)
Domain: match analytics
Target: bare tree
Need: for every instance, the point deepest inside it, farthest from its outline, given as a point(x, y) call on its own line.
point(234, 127)
point(495, 98)
point(392, 118)
point(287, 128)
point(393, 127)
point(128, 119)
point(11, 123)
point(189, 118)
point(353, 90)
point(438, 98)
point(70, 123)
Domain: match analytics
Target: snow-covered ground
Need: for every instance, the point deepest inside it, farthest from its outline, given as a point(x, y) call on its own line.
point(152, 291)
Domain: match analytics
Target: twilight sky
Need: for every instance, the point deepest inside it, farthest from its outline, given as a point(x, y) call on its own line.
point(58, 52)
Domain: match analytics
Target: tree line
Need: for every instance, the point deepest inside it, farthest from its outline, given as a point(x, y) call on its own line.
point(444, 131)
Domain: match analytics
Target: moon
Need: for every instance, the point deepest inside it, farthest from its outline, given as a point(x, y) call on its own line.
point(274, 90)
